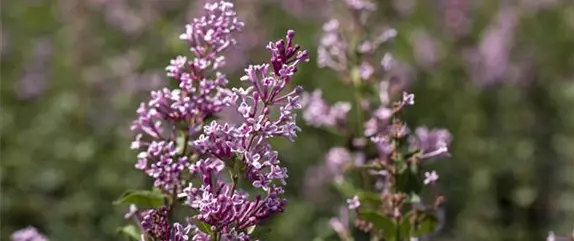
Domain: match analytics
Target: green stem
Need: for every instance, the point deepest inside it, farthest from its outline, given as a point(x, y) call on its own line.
point(398, 229)
point(360, 122)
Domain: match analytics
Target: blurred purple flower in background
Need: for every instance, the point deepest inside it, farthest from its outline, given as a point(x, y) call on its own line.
point(490, 62)
point(426, 49)
point(27, 234)
point(430, 142)
point(318, 113)
point(306, 8)
point(36, 72)
point(332, 48)
point(456, 16)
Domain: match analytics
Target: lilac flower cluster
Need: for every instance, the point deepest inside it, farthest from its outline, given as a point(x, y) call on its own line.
point(178, 147)
point(201, 93)
point(318, 113)
point(219, 204)
point(351, 54)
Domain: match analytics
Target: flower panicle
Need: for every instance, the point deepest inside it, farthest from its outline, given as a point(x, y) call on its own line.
point(220, 205)
point(201, 92)
point(174, 141)
point(352, 48)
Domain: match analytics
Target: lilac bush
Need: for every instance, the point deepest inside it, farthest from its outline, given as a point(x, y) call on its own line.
point(198, 164)
point(391, 195)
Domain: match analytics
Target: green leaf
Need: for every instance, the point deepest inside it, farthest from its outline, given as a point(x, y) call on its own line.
point(130, 232)
point(204, 227)
point(409, 182)
point(414, 167)
point(406, 225)
point(347, 189)
point(415, 198)
point(369, 197)
point(142, 198)
point(380, 222)
point(356, 76)
point(428, 225)
point(262, 233)
point(250, 229)
point(180, 142)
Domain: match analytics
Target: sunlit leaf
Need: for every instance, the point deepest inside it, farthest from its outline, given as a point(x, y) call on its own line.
point(250, 229)
point(381, 222)
point(142, 199)
point(204, 227)
point(130, 232)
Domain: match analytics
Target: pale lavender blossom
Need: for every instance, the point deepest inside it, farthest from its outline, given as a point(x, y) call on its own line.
point(456, 16)
point(387, 62)
point(493, 53)
point(332, 50)
point(27, 234)
point(551, 237)
point(371, 45)
point(319, 114)
point(180, 233)
point(379, 122)
point(408, 99)
point(341, 224)
point(354, 202)
point(336, 160)
point(430, 177)
point(431, 143)
point(366, 70)
point(361, 5)
point(35, 74)
point(426, 49)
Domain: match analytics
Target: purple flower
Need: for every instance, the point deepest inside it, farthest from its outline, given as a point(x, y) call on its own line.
point(336, 160)
point(318, 113)
point(430, 177)
point(180, 232)
point(408, 99)
point(332, 48)
point(366, 70)
point(379, 123)
point(341, 224)
point(27, 234)
point(201, 93)
point(431, 143)
point(354, 202)
point(155, 223)
point(228, 210)
point(172, 136)
point(361, 5)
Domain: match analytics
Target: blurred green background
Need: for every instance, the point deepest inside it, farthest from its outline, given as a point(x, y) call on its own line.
point(498, 74)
